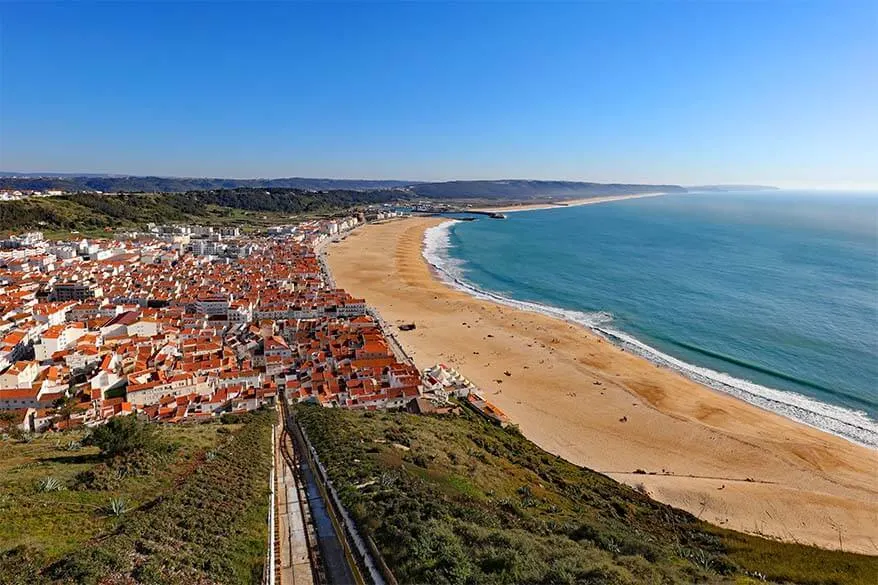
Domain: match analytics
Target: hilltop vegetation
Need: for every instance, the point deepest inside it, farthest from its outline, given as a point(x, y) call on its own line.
point(459, 501)
point(90, 211)
point(508, 189)
point(109, 184)
point(144, 504)
point(225, 201)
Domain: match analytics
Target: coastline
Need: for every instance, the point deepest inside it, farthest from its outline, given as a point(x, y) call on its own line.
point(565, 203)
point(851, 425)
point(714, 455)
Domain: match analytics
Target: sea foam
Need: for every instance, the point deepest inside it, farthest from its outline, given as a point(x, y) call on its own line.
point(855, 426)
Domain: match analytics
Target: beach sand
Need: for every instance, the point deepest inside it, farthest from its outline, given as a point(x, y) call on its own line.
point(723, 460)
point(564, 203)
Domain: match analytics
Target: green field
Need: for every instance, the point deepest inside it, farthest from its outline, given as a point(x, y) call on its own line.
point(456, 500)
point(191, 509)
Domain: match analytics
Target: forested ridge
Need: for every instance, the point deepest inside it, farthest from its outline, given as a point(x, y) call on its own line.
point(512, 189)
point(90, 210)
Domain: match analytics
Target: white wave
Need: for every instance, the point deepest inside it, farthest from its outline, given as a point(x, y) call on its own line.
point(437, 240)
point(435, 251)
point(855, 426)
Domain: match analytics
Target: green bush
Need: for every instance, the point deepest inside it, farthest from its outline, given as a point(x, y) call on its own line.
point(122, 435)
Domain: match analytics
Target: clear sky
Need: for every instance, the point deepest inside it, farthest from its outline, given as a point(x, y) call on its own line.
point(682, 92)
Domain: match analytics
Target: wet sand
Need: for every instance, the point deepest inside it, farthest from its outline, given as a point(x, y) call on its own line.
point(724, 460)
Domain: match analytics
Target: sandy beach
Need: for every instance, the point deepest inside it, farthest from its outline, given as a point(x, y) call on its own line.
point(565, 203)
point(722, 459)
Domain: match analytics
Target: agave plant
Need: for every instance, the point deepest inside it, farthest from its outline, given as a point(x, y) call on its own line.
point(73, 446)
point(117, 507)
point(702, 559)
point(387, 479)
point(211, 455)
point(50, 484)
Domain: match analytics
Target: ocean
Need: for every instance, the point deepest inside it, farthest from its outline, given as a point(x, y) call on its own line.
point(769, 296)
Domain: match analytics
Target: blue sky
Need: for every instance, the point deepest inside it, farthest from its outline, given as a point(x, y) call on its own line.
point(681, 92)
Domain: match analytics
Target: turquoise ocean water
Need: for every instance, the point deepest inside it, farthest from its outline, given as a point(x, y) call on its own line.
point(771, 297)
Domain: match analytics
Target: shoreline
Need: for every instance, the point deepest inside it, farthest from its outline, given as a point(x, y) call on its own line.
point(585, 399)
point(564, 203)
point(836, 420)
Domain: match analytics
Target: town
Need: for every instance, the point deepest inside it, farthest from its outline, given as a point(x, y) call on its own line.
point(184, 323)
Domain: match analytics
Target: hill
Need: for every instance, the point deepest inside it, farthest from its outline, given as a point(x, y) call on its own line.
point(510, 189)
point(116, 183)
point(456, 500)
point(91, 211)
point(724, 188)
point(164, 513)
point(523, 190)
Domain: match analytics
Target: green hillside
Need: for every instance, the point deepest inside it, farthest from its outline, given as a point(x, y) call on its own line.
point(458, 501)
point(188, 505)
point(91, 211)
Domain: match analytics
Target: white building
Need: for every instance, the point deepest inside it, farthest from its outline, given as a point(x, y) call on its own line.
point(215, 305)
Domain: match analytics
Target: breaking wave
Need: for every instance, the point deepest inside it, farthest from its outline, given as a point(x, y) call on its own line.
point(855, 426)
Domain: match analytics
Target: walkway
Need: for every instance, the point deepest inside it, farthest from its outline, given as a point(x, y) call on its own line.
point(294, 531)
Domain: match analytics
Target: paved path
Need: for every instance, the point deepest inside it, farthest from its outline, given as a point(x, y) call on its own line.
point(293, 538)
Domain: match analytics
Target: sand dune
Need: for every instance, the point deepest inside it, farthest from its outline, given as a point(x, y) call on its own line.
point(723, 460)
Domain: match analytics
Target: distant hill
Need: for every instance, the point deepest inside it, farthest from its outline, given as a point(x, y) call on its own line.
point(112, 184)
point(512, 189)
point(731, 188)
point(525, 189)
point(90, 211)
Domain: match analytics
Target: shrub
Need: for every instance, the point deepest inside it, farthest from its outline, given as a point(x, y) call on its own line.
point(20, 566)
point(209, 529)
point(123, 434)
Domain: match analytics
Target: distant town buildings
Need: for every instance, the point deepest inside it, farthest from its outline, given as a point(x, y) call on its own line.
point(16, 194)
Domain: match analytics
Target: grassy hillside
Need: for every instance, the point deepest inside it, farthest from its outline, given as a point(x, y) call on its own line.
point(459, 501)
point(90, 212)
point(191, 508)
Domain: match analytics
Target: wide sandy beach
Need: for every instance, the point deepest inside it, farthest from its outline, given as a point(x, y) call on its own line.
point(565, 203)
point(588, 401)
